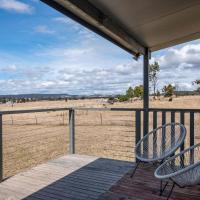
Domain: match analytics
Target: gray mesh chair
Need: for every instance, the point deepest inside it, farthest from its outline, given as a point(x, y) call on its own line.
point(159, 144)
point(182, 169)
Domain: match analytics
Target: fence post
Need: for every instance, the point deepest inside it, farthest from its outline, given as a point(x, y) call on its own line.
point(1, 148)
point(71, 131)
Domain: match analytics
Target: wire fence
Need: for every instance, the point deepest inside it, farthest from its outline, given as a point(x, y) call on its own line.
point(33, 137)
point(106, 134)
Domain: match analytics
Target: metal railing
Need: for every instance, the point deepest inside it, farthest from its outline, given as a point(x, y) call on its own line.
point(157, 116)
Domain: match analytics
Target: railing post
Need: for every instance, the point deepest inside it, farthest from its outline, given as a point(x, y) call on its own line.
point(1, 148)
point(137, 128)
point(163, 130)
point(182, 121)
point(154, 133)
point(191, 136)
point(173, 128)
point(71, 131)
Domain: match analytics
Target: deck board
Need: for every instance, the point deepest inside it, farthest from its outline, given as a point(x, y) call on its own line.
point(73, 177)
point(144, 186)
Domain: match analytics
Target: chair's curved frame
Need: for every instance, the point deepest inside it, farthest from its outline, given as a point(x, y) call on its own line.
point(167, 154)
point(179, 172)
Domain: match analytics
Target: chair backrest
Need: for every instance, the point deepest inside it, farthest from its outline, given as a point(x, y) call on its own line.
point(161, 143)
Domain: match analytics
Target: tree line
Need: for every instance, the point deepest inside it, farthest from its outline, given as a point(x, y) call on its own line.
point(167, 91)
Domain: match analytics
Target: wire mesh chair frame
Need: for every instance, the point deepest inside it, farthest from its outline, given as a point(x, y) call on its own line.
point(167, 150)
point(183, 169)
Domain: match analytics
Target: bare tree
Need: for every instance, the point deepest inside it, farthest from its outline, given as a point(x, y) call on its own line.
point(153, 76)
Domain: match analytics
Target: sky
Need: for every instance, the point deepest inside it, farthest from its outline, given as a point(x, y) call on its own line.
point(43, 51)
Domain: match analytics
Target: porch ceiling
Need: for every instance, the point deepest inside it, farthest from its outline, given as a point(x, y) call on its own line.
point(136, 24)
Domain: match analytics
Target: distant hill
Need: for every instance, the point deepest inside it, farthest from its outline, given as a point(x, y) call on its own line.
point(186, 93)
point(34, 96)
point(50, 96)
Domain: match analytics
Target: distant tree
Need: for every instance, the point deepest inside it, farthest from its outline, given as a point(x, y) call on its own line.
point(158, 93)
point(23, 100)
point(168, 90)
point(123, 98)
point(111, 100)
point(177, 89)
point(138, 91)
point(130, 92)
point(153, 76)
point(197, 82)
point(3, 100)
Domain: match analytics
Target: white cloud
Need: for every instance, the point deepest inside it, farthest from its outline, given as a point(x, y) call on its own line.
point(187, 56)
point(64, 20)
point(9, 68)
point(95, 69)
point(67, 21)
point(17, 6)
point(70, 53)
point(43, 29)
point(179, 65)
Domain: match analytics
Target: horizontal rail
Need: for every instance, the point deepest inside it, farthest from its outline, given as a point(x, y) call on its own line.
point(173, 110)
point(99, 109)
point(108, 109)
point(139, 109)
point(9, 112)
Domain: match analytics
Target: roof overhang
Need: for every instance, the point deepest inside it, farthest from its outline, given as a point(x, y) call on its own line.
point(135, 25)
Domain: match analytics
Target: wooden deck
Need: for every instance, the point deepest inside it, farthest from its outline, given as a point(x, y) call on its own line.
point(79, 177)
point(74, 177)
point(144, 186)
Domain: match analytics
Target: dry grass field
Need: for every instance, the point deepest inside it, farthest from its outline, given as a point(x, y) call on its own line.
point(33, 138)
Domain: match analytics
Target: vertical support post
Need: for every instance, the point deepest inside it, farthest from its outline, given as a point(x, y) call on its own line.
point(182, 121)
point(137, 128)
point(155, 133)
point(191, 128)
point(163, 130)
point(146, 90)
point(1, 148)
point(146, 95)
point(173, 129)
point(71, 131)
point(138, 125)
point(191, 136)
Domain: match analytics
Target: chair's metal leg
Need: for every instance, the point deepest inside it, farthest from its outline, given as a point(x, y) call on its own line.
point(135, 169)
point(162, 189)
point(170, 193)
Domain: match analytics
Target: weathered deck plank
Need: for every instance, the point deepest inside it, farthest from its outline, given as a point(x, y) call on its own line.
point(144, 186)
point(73, 177)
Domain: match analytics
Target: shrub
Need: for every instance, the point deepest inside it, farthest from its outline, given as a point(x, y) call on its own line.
point(123, 98)
point(168, 90)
